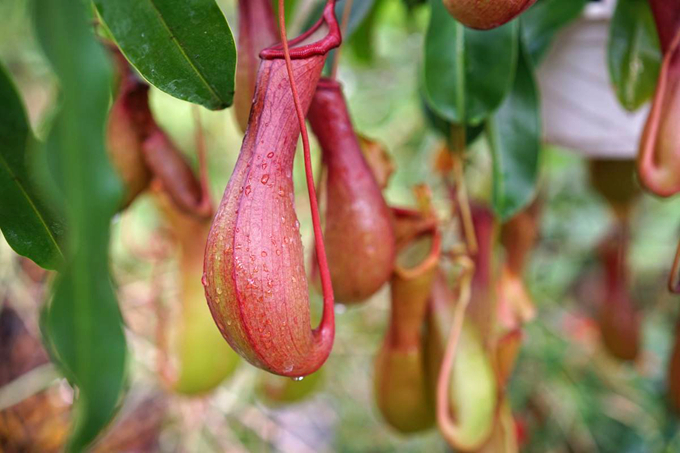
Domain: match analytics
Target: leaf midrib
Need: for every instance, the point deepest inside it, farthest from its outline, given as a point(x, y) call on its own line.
point(24, 192)
point(213, 90)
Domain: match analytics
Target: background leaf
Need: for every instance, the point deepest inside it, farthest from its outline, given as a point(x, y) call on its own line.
point(514, 134)
point(184, 48)
point(467, 72)
point(634, 54)
point(82, 321)
point(361, 40)
point(29, 226)
point(542, 21)
point(290, 8)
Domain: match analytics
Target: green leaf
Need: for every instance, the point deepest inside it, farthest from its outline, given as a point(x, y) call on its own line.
point(361, 41)
point(184, 48)
point(467, 73)
point(443, 127)
point(28, 225)
point(543, 20)
point(82, 321)
point(515, 138)
point(290, 8)
point(634, 54)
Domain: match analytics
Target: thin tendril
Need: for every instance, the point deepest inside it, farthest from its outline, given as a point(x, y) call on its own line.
point(447, 426)
point(464, 205)
point(345, 23)
point(328, 311)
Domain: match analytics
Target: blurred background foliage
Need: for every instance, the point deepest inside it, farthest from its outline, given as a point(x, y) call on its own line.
point(567, 392)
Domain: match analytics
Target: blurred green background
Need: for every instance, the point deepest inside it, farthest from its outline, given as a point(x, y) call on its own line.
point(569, 393)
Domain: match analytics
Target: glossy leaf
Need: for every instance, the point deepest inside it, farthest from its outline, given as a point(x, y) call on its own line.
point(184, 48)
point(443, 127)
point(28, 225)
point(82, 321)
point(467, 72)
point(634, 55)
point(514, 134)
point(543, 20)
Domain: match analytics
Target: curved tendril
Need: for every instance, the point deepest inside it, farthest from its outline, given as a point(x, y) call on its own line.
point(464, 205)
point(447, 425)
point(328, 315)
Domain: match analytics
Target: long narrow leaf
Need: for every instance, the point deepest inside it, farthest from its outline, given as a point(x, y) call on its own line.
point(634, 54)
point(82, 321)
point(515, 137)
point(28, 225)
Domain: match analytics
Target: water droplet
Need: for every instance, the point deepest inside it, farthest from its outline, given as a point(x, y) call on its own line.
point(229, 322)
point(264, 179)
point(298, 379)
point(270, 155)
point(204, 279)
point(297, 224)
point(264, 165)
point(252, 257)
point(219, 290)
point(278, 252)
point(281, 192)
point(264, 253)
point(248, 190)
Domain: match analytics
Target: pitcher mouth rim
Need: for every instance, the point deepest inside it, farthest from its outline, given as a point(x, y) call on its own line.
point(324, 45)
